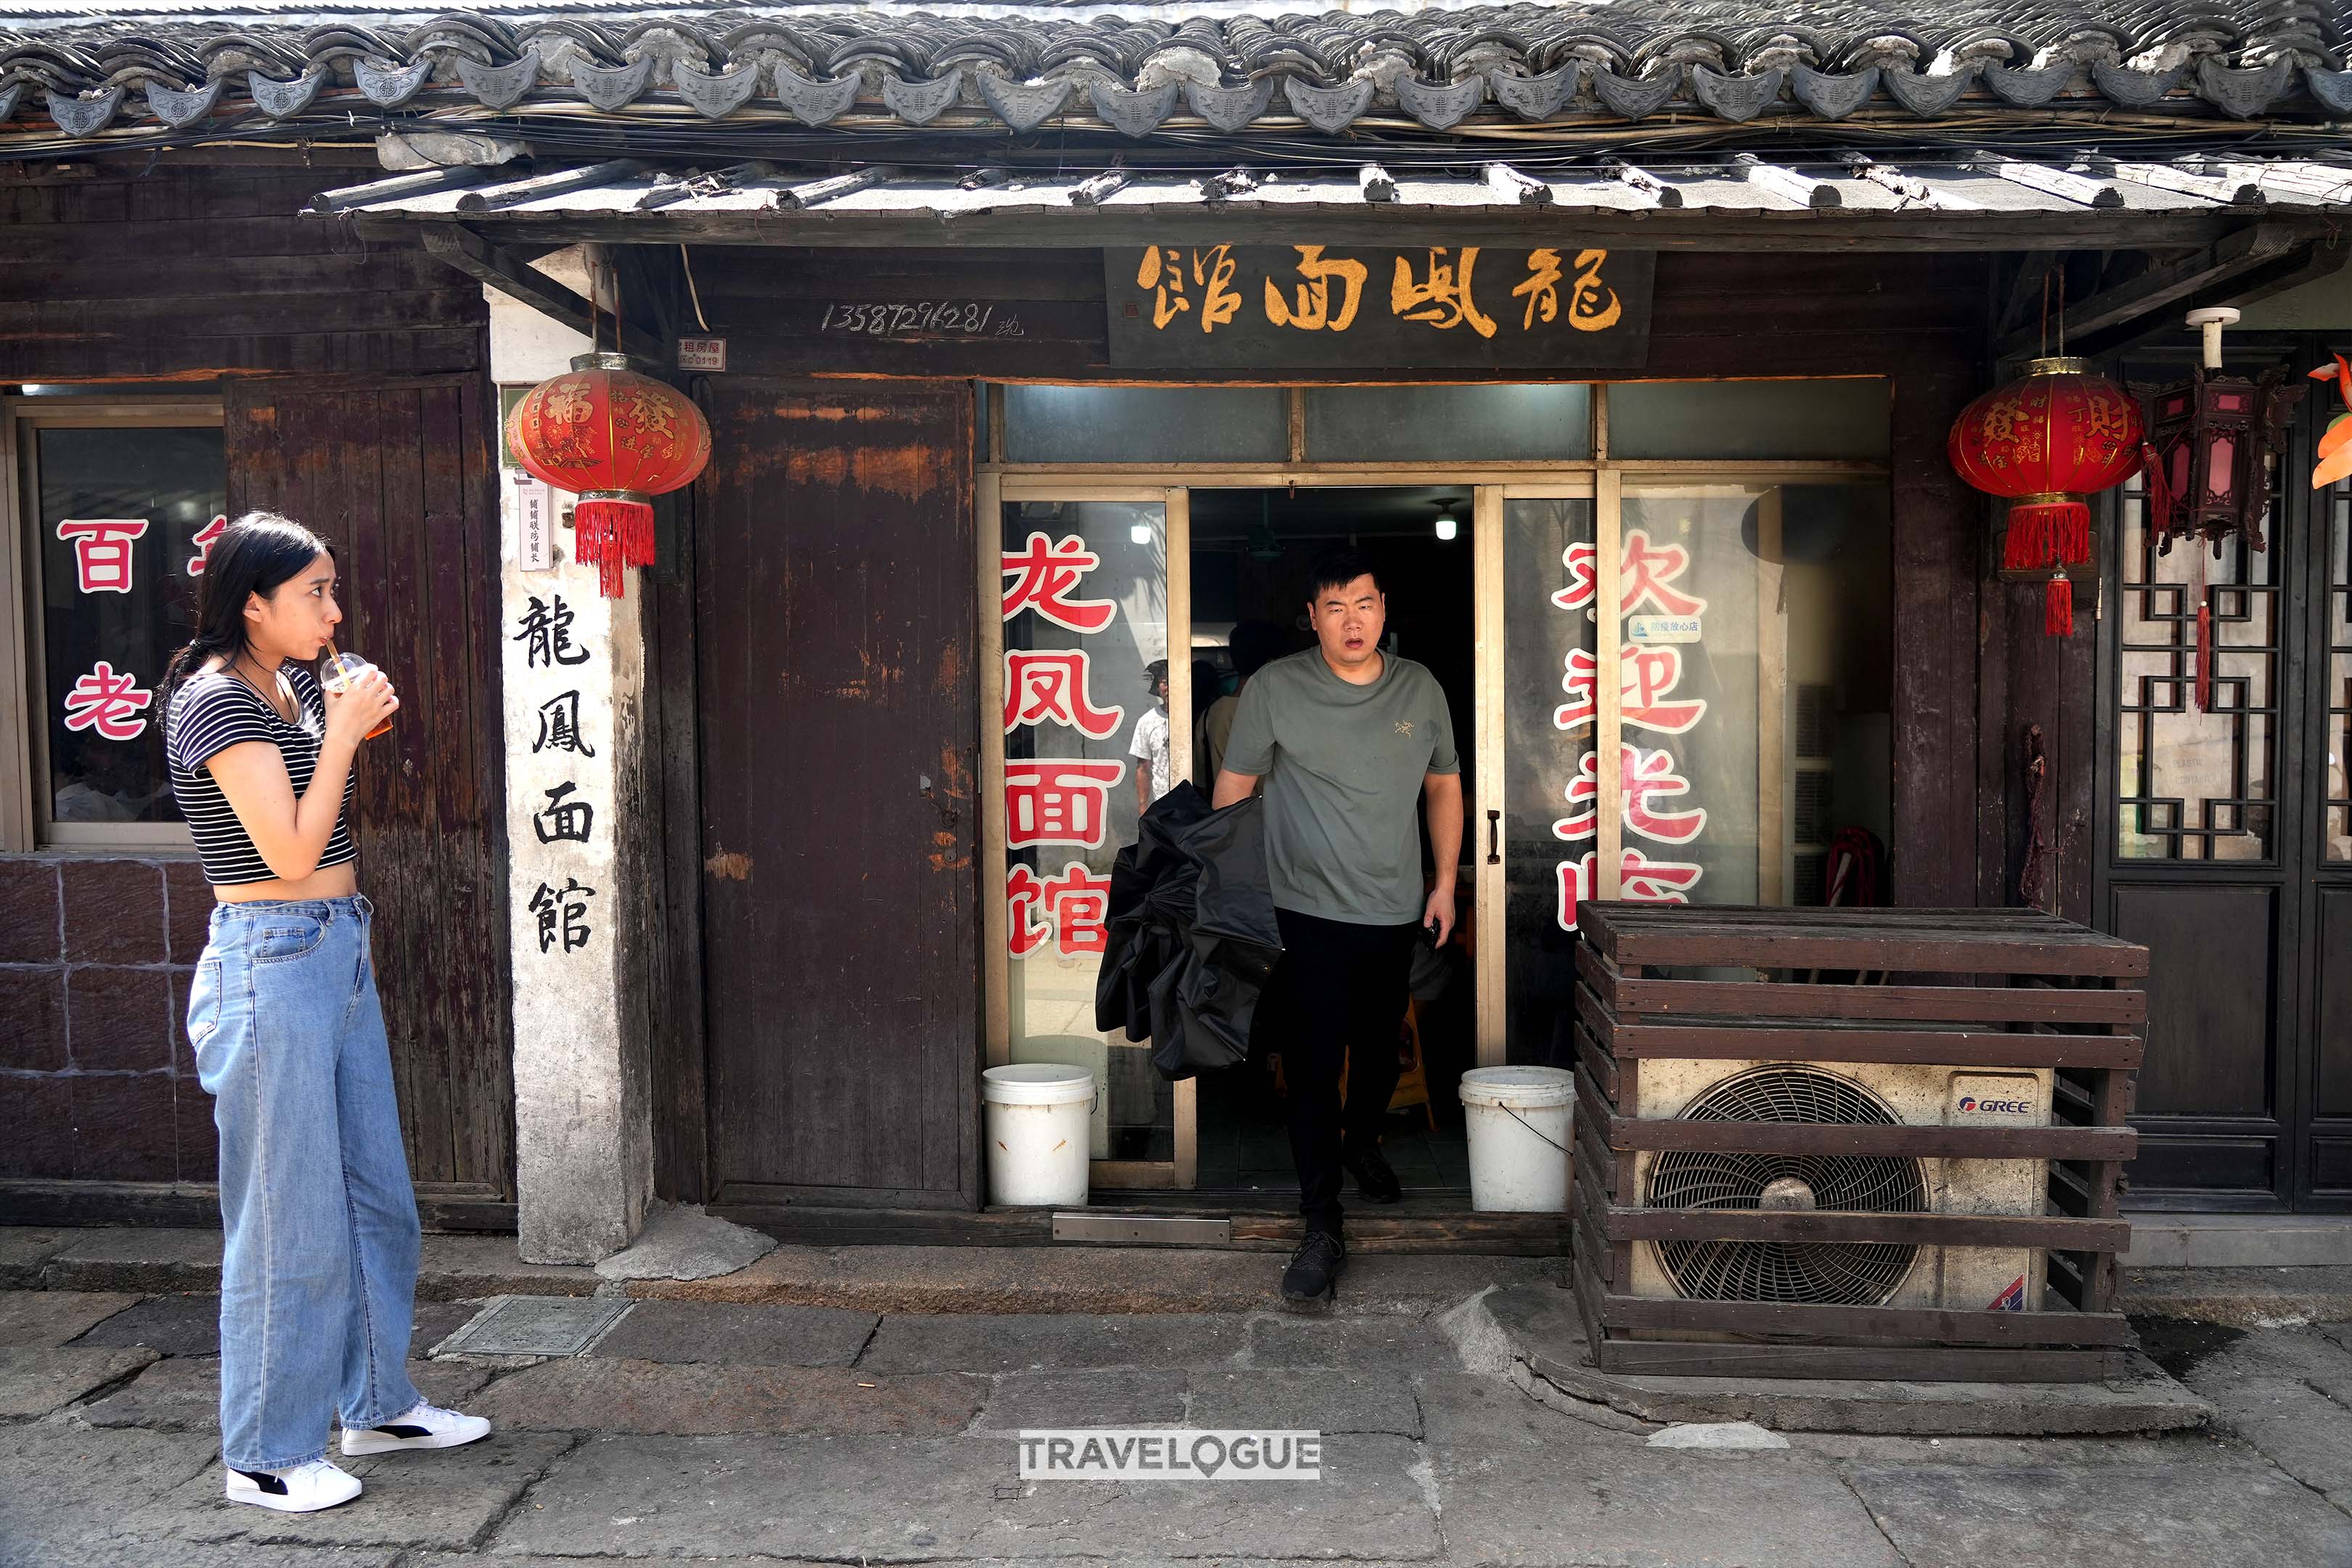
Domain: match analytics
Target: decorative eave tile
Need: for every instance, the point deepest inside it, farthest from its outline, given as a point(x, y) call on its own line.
point(1536, 97)
point(500, 87)
point(77, 116)
point(1024, 106)
point(1637, 98)
point(1924, 95)
point(1327, 108)
point(920, 102)
point(611, 87)
point(179, 108)
point(1132, 114)
point(715, 95)
point(1228, 108)
point(815, 102)
point(1832, 95)
point(1441, 106)
point(388, 87)
point(1737, 98)
point(284, 100)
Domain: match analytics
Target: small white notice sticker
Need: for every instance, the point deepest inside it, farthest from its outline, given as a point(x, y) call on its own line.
point(1662, 628)
point(534, 524)
point(702, 353)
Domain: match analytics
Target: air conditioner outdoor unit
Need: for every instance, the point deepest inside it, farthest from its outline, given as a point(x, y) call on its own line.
point(1969, 1279)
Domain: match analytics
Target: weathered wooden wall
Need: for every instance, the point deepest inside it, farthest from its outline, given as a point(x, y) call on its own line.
point(112, 270)
point(398, 477)
point(839, 736)
point(120, 271)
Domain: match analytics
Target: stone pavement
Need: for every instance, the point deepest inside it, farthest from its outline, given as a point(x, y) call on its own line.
point(746, 1431)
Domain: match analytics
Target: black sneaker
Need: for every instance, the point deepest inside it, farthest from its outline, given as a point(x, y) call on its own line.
point(1314, 1271)
point(1374, 1178)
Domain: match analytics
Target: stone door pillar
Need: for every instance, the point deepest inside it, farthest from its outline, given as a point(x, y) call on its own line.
point(581, 854)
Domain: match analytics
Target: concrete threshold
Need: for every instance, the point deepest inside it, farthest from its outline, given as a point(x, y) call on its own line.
point(1535, 1336)
point(939, 1279)
point(2239, 1298)
point(2239, 1241)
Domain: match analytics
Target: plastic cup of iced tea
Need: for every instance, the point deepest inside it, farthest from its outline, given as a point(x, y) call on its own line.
point(337, 675)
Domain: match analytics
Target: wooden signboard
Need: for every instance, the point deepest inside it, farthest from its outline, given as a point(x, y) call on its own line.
point(1281, 307)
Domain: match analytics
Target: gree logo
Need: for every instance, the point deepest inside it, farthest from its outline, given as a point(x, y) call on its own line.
point(1998, 1107)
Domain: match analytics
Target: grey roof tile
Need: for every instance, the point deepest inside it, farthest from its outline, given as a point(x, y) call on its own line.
point(1426, 73)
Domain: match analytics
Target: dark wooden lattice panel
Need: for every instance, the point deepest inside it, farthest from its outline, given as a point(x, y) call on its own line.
point(1743, 1283)
point(2196, 781)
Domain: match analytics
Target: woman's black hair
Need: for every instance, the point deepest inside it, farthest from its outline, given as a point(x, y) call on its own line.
point(259, 554)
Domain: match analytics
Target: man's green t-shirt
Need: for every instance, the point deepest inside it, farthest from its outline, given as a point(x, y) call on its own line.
point(1343, 767)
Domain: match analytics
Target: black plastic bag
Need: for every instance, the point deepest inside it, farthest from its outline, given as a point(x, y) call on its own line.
point(1193, 939)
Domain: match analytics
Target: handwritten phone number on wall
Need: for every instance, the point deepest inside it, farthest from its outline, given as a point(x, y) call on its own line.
point(966, 318)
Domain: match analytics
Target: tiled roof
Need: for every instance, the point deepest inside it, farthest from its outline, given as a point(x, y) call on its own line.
point(1208, 69)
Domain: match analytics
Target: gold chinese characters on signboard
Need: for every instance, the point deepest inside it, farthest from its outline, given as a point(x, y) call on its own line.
point(1237, 306)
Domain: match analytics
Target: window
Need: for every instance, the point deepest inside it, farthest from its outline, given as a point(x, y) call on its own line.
point(115, 506)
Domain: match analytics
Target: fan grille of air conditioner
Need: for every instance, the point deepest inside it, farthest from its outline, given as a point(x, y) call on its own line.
point(1842, 1273)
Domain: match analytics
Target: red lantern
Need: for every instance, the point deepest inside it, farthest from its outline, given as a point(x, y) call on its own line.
point(2046, 442)
point(616, 439)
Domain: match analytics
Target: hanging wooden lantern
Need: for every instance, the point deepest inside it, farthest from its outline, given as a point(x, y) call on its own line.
point(2046, 442)
point(616, 439)
point(2208, 456)
point(2335, 451)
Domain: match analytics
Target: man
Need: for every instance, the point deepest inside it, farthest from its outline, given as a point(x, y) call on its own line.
point(1149, 746)
point(1346, 739)
point(1251, 645)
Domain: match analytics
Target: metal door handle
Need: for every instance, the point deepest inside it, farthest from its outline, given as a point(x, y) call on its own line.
point(1494, 838)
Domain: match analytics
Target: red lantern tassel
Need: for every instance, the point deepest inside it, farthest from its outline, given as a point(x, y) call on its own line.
point(637, 534)
point(2058, 606)
point(2204, 657)
point(2159, 491)
point(596, 528)
point(2048, 528)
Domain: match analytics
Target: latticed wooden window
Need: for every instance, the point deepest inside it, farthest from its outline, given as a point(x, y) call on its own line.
point(2197, 760)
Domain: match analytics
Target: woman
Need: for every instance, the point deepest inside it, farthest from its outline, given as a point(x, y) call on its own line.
point(319, 1272)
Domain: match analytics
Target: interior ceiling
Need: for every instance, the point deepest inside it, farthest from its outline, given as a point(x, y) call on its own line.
point(1226, 516)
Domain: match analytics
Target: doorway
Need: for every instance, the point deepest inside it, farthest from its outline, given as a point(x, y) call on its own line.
point(1251, 552)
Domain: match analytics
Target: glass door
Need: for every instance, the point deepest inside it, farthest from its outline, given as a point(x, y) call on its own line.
point(1092, 586)
point(1727, 642)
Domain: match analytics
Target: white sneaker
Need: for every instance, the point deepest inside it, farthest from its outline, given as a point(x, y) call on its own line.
point(421, 1425)
point(305, 1488)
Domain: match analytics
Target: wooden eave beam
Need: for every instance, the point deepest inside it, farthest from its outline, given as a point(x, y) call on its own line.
point(496, 267)
point(2249, 249)
point(1374, 222)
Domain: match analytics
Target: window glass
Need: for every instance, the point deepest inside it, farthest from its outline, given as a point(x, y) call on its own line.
point(1085, 611)
point(123, 517)
point(1144, 423)
point(1772, 419)
point(1549, 634)
point(1460, 423)
point(1757, 681)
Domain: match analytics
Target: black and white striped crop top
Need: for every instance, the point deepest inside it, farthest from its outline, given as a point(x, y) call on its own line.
point(214, 710)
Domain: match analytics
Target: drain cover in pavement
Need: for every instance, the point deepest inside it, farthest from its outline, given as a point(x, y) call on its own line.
point(535, 1325)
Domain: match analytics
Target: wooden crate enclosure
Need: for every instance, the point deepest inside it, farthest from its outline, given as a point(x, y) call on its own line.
point(1968, 1071)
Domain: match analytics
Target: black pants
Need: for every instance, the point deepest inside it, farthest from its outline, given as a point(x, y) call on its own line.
point(1340, 989)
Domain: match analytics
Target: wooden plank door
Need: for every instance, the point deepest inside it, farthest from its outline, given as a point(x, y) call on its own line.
point(838, 719)
point(398, 476)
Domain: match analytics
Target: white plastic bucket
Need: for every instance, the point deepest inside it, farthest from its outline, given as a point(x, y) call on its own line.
point(1518, 1122)
point(1037, 1116)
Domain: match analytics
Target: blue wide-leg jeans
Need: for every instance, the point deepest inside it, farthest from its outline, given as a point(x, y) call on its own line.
point(319, 1269)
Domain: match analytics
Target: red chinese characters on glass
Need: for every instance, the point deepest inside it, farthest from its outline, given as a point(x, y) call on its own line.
point(1057, 800)
point(1645, 573)
point(203, 542)
point(1053, 683)
point(1047, 574)
point(1647, 779)
point(1071, 909)
point(1639, 880)
point(1646, 676)
point(107, 700)
point(102, 549)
